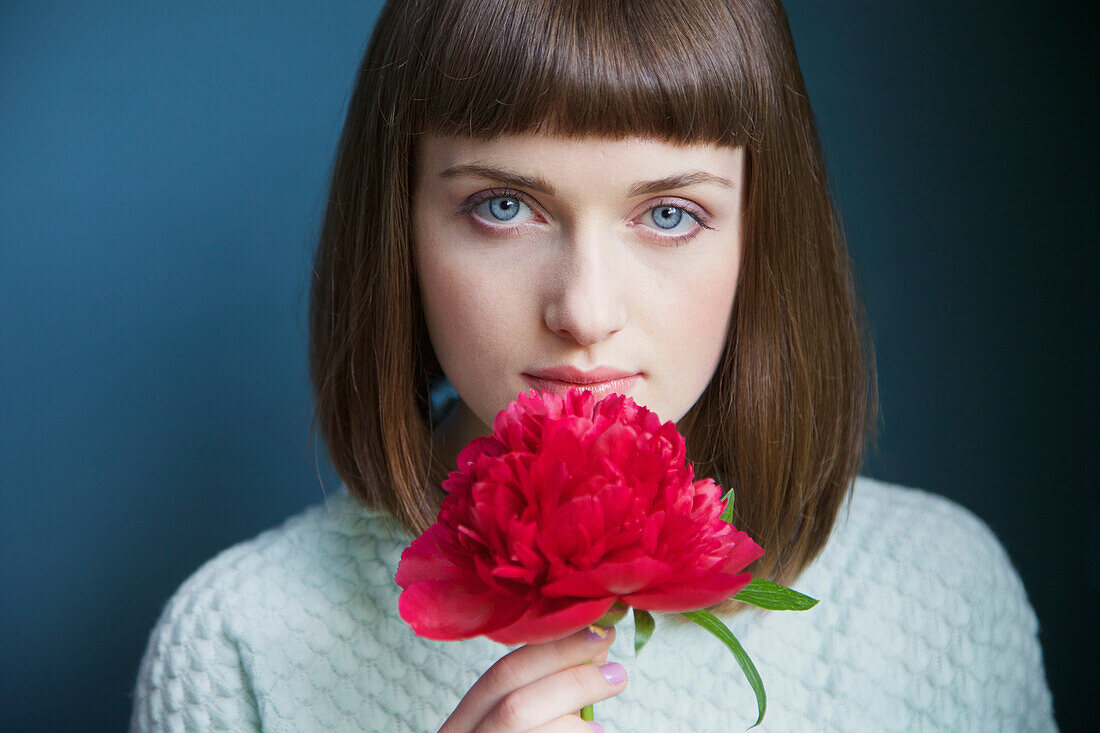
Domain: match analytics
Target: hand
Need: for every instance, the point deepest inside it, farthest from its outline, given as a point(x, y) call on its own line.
point(541, 687)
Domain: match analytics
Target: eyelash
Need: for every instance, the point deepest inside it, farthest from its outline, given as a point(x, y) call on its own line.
point(481, 197)
point(492, 193)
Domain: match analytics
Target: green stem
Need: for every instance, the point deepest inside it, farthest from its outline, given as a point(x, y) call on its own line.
point(588, 712)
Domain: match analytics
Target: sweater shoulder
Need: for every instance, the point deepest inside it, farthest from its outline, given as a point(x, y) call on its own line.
point(318, 567)
point(323, 546)
point(927, 533)
point(245, 619)
point(923, 548)
point(928, 588)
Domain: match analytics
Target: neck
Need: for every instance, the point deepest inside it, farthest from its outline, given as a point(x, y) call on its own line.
point(456, 430)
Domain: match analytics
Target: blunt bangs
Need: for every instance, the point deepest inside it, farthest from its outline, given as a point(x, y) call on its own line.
point(667, 69)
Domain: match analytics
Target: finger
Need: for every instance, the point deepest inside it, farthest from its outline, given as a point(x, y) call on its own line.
point(522, 667)
point(553, 696)
point(568, 724)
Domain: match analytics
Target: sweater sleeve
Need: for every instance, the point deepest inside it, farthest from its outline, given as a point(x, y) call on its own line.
point(934, 628)
point(992, 632)
point(192, 677)
point(1008, 639)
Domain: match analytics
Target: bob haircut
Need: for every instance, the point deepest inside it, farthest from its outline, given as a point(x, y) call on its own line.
point(787, 415)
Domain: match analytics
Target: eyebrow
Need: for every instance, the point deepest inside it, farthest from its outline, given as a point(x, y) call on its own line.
point(639, 188)
point(516, 180)
point(678, 180)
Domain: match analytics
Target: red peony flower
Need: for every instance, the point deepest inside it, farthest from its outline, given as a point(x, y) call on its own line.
point(570, 506)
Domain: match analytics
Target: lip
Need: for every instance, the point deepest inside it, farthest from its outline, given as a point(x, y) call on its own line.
point(600, 381)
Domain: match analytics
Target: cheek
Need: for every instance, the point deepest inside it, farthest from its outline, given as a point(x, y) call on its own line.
point(696, 321)
point(441, 293)
point(444, 292)
point(468, 310)
point(697, 298)
point(701, 325)
point(452, 314)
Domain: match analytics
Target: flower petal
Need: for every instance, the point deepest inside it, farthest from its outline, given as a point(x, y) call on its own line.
point(568, 506)
point(447, 610)
point(689, 597)
point(425, 559)
point(548, 621)
point(611, 579)
point(745, 551)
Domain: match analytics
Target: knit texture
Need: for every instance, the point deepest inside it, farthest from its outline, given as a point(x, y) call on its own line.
point(923, 625)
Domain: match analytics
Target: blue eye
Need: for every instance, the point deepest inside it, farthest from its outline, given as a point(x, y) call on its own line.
point(666, 217)
point(500, 208)
point(674, 222)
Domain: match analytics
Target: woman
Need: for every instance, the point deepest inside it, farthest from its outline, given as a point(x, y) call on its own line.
point(627, 197)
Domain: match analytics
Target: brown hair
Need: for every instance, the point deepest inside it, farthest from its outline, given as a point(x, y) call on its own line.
point(785, 419)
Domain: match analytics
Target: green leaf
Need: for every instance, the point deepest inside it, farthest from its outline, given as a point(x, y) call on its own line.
point(727, 513)
point(774, 597)
point(714, 625)
point(613, 615)
point(643, 629)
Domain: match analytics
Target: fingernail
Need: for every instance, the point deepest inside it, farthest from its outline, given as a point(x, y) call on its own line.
point(596, 633)
point(614, 673)
point(595, 726)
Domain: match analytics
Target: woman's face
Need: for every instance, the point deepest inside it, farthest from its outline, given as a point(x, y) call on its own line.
point(546, 262)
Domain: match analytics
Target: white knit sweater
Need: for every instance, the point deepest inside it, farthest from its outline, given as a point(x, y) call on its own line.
point(923, 625)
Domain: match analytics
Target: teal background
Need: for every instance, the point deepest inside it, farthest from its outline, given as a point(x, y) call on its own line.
point(162, 174)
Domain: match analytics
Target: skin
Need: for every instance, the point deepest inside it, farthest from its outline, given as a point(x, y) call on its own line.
point(538, 687)
point(583, 274)
point(539, 251)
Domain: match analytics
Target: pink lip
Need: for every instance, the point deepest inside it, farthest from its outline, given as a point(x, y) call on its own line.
point(601, 381)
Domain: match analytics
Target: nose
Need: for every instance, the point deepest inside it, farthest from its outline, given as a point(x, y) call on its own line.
point(585, 298)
